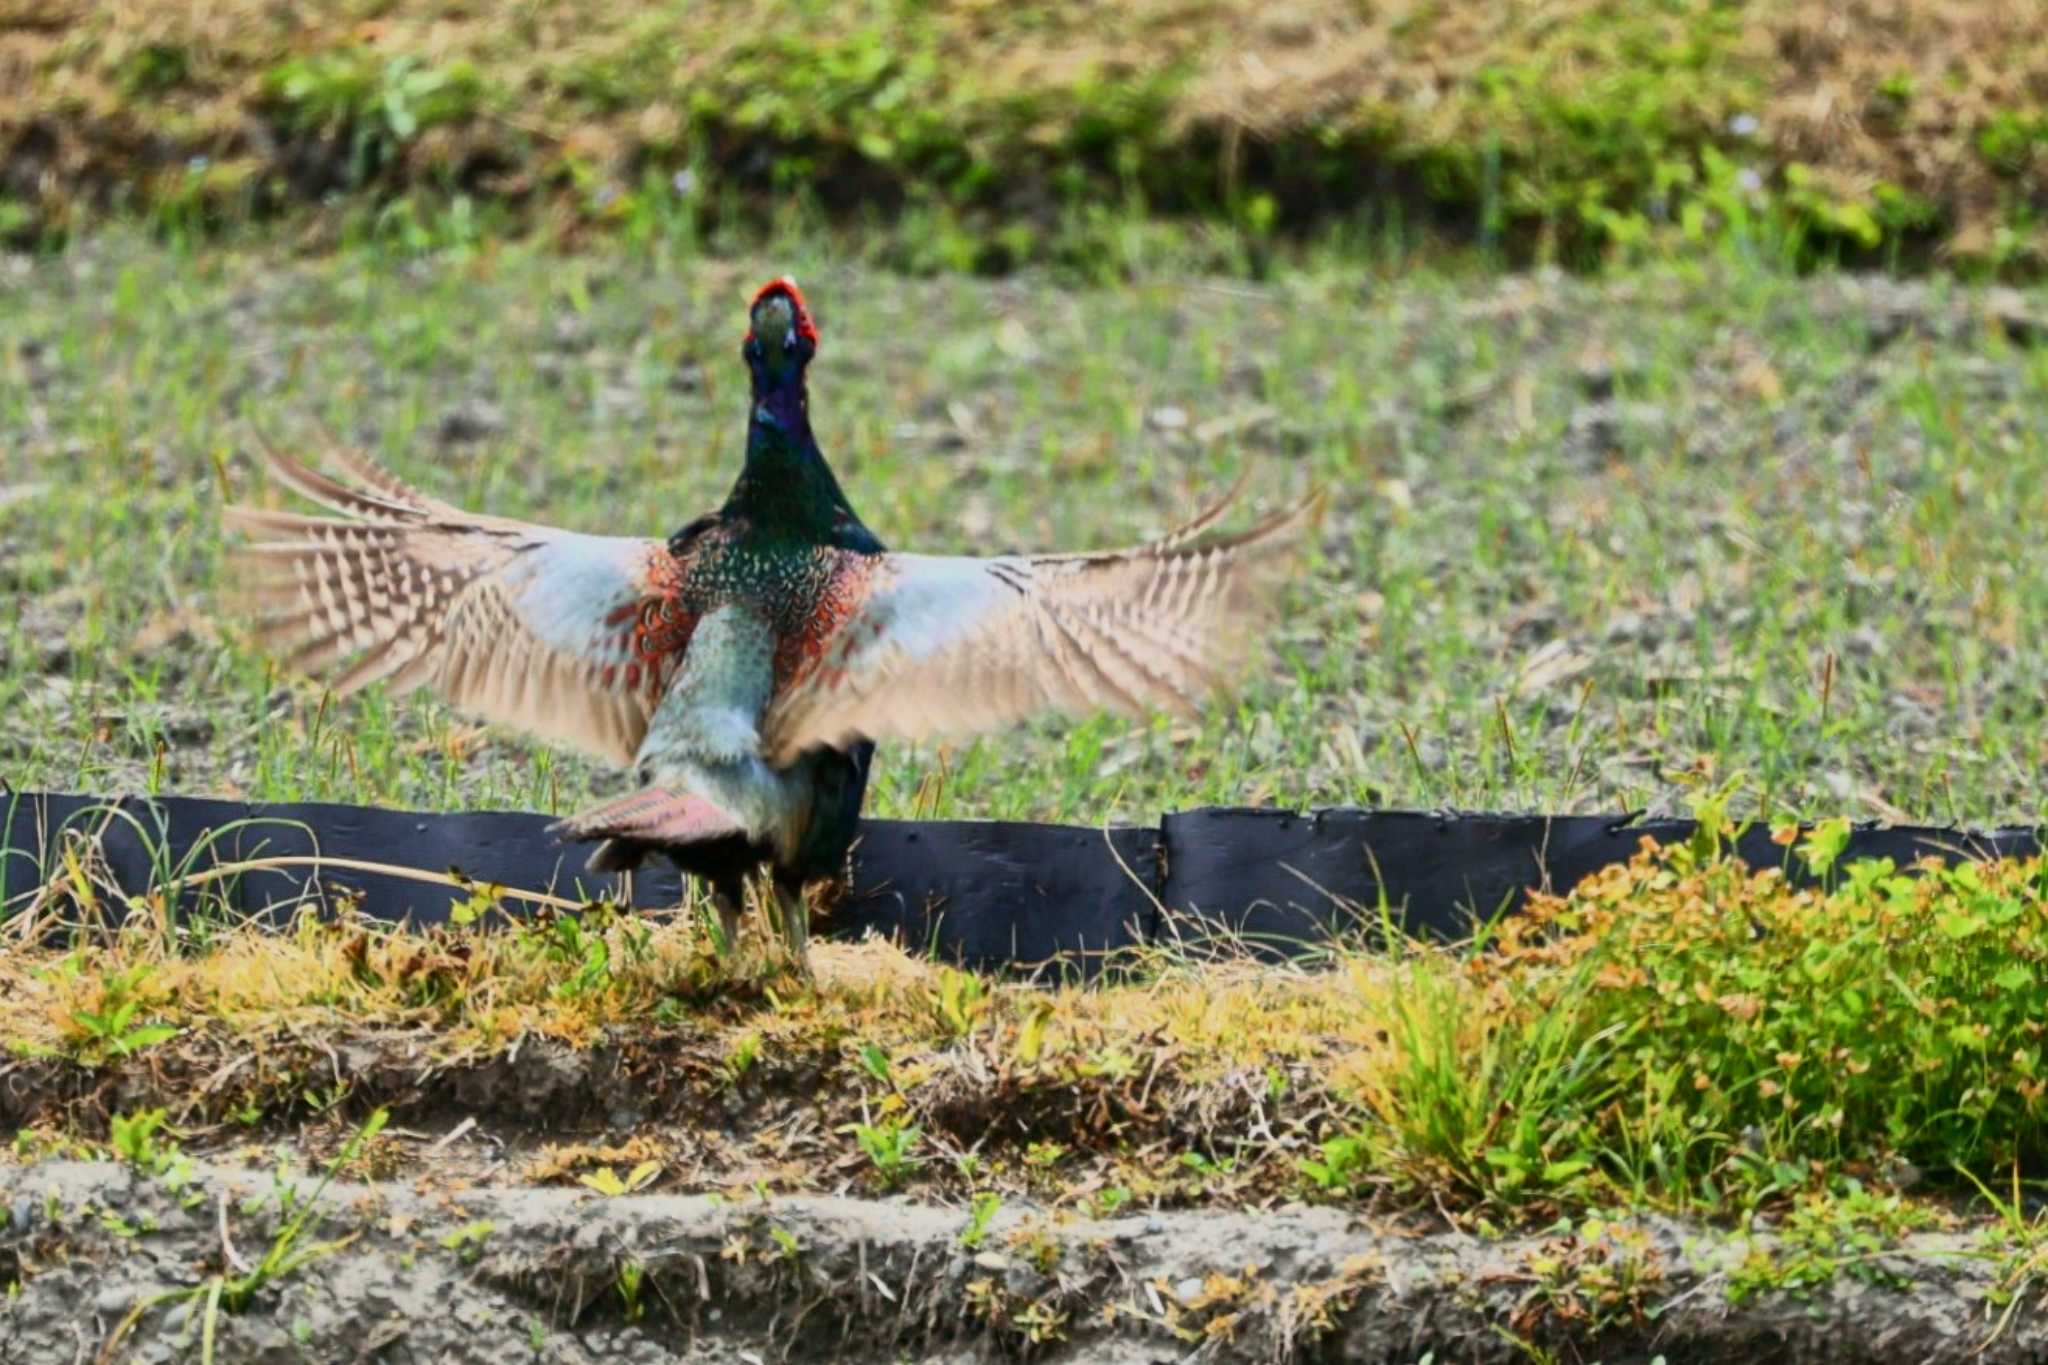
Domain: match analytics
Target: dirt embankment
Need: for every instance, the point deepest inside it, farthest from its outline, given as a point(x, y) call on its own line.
point(1574, 128)
point(407, 1272)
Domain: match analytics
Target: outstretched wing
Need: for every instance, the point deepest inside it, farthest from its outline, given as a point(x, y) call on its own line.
point(568, 636)
point(935, 645)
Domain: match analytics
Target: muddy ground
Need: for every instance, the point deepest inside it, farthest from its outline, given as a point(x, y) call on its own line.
point(423, 1268)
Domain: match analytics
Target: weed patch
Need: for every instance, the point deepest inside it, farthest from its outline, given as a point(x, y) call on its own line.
point(1678, 1032)
point(1894, 1016)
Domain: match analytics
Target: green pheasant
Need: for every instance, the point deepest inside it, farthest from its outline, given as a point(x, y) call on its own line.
point(744, 667)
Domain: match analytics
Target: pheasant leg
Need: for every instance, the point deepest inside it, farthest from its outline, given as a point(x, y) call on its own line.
point(727, 898)
point(796, 921)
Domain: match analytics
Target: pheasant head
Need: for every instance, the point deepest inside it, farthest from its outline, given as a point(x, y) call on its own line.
point(781, 338)
point(786, 490)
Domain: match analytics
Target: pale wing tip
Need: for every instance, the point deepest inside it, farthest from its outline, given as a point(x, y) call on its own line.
point(1264, 557)
point(1316, 506)
point(1305, 516)
point(1203, 518)
point(279, 465)
point(367, 491)
point(1283, 530)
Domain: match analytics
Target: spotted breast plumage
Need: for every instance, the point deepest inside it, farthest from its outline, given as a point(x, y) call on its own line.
point(745, 667)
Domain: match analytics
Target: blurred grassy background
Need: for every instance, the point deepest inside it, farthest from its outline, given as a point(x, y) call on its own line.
point(981, 134)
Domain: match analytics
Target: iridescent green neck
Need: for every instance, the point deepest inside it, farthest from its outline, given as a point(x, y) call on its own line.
point(786, 490)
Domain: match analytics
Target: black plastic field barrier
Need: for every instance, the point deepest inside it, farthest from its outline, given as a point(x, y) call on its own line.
point(987, 893)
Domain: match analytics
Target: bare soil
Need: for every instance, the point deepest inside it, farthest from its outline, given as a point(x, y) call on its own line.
point(421, 1271)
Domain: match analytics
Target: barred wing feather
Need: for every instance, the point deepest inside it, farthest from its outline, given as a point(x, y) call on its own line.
point(939, 645)
point(517, 623)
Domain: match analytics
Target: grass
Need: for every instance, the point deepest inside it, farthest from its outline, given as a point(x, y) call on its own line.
point(1614, 1050)
point(1594, 546)
point(980, 136)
